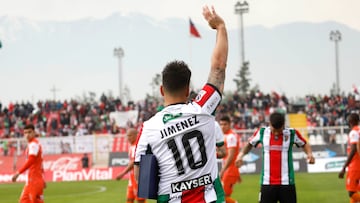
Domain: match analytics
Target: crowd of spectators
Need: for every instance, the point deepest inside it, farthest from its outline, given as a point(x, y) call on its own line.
point(252, 110)
point(67, 118)
point(75, 118)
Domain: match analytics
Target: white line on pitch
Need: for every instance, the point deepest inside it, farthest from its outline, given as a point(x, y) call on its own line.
point(101, 189)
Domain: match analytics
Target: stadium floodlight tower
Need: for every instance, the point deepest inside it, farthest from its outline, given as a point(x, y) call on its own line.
point(241, 8)
point(119, 53)
point(335, 36)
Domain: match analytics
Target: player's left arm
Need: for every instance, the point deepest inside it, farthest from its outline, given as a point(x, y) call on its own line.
point(308, 152)
point(300, 141)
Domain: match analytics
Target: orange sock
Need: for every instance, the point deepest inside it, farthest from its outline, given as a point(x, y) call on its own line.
point(229, 200)
point(355, 197)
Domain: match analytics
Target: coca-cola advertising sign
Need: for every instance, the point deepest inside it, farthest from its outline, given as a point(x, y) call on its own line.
point(65, 167)
point(63, 162)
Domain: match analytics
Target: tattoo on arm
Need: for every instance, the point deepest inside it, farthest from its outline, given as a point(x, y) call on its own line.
point(217, 78)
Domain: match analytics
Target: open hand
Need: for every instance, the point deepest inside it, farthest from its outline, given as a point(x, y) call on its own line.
point(214, 20)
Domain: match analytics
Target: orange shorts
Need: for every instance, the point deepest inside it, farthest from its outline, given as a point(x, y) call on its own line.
point(353, 181)
point(228, 183)
point(32, 193)
point(132, 193)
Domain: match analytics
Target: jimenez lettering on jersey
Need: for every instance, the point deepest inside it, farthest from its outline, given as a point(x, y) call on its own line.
point(191, 184)
point(177, 127)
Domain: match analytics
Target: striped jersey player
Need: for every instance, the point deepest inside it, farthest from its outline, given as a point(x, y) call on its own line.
point(277, 155)
point(182, 136)
point(277, 141)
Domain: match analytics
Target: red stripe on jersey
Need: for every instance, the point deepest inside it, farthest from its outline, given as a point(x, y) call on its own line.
point(298, 134)
point(275, 159)
point(194, 195)
point(204, 95)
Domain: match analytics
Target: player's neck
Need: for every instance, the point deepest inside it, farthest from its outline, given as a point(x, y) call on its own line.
point(31, 139)
point(169, 100)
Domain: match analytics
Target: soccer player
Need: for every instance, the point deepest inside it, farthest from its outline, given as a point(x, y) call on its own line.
point(277, 177)
point(353, 160)
point(35, 184)
point(182, 135)
point(229, 173)
point(132, 184)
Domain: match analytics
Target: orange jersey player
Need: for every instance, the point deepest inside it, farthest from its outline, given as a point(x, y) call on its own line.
point(353, 160)
point(132, 185)
point(35, 183)
point(229, 172)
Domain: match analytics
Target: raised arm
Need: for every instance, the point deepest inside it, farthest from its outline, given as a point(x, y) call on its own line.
point(220, 52)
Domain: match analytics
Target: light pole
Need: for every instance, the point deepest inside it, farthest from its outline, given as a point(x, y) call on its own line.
point(119, 53)
point(240, 8)
point(335, 36)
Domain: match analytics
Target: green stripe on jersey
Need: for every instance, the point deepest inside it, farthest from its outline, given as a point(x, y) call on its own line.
point(263, 153)
point(220, 194)
point(163, 198)
point(290, 158)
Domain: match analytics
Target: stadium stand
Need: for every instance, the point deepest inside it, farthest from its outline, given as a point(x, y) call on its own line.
point(66, 118)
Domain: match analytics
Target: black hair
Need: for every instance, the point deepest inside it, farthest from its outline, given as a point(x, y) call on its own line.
point(176, 76)
point(29, 126)
point(277, 120)
point(225, 118)
point(353, 119)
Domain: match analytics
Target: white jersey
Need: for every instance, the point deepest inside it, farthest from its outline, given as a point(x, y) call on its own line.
point(182, 137)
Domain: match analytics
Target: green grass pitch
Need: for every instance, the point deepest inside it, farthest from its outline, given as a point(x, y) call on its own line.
point(311, 188)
